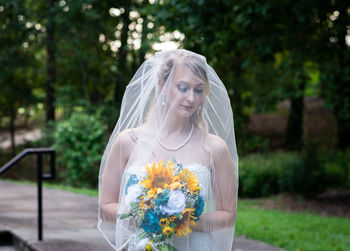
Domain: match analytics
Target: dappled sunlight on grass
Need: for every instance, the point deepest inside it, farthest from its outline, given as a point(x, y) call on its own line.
point(292, 231)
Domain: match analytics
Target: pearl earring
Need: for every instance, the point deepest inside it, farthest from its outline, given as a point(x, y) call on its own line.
point(162, 100)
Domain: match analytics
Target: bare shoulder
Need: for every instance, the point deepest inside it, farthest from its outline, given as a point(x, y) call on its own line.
point(220, 152)
point(125, 138)
point(216, 144)
point(123, 144)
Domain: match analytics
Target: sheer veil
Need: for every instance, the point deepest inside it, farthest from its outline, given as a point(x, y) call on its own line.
point(174, 108)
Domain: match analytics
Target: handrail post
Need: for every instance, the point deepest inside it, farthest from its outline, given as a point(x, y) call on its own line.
point(40, 176)
point(39, 182)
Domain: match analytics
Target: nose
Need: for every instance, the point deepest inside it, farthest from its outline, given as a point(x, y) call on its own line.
point(190, 96)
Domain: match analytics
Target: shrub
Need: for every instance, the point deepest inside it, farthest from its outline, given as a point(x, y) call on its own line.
point(337, 168)
point(79, 142)
point(309, 179)
point(108, 112)
point(308, 173)
point(263, 175)
point(252, 143)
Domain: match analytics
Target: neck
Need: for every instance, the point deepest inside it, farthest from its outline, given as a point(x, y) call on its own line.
point(175, 125)
point(171, 125)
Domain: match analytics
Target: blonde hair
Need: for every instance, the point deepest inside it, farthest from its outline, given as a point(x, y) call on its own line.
point(198, 67)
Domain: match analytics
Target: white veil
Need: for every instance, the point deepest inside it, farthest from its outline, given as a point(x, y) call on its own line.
point(175, 108)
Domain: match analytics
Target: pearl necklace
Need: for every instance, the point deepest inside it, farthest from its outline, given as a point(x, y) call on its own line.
point(178, 147)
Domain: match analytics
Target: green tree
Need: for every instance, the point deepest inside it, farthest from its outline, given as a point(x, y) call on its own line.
point(219, 30)
point(263, 50)
point(51, 61)
point(334, 59)
point(16, 61)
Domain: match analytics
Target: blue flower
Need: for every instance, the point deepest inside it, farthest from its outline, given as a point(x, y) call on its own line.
point(198, 208)
point(179, 166)
point(132, 180)
point(150, 222)
point(163, 197)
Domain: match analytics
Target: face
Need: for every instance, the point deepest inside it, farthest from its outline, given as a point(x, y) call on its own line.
point(186, 92)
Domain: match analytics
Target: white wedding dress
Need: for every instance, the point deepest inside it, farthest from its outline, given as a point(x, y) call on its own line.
point(196, 241)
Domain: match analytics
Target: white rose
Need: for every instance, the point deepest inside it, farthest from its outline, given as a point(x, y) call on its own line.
point(141, 245)
point(138, 244)
point(134, 191)
point(141, 173)
point(176, 203)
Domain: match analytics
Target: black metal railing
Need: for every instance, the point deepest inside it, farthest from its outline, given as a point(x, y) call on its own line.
point(40, 176)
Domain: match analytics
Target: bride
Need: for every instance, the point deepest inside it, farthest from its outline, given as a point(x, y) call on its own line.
point(175, 110)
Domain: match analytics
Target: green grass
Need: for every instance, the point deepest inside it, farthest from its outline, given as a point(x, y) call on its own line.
point(292, 231)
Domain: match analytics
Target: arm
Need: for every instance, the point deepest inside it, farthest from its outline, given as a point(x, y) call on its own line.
point(111, 180)
point(224, 190)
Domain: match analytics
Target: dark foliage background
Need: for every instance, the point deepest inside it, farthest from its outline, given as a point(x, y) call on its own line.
point(65, 64)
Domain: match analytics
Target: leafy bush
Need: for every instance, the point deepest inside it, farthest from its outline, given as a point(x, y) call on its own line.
point(263, 175)
point(252, 143)
point(337, 167)
point(310, 178)
point(308, 173)
point(79, 142)
point(108, 112)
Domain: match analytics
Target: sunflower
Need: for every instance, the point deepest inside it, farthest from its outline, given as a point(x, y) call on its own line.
point(189, 179)
point(148, 247)
point(187, 220)
point(163, 222)
point(144, 204)
point(167, 231)
point(160, 177)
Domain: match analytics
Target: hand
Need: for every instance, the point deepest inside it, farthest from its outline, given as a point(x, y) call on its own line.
point(198, 227)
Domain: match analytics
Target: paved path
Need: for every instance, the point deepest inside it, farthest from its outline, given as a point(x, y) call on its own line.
point(69, 220)
point(21, 136)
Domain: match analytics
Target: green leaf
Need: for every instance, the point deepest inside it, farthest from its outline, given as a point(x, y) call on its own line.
point(123, 216)
point(143, 236)
point(167, 247)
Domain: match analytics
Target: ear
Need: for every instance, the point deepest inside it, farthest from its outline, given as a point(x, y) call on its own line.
point(160, 84)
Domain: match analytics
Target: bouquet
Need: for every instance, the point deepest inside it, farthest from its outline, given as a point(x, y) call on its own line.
point(164, 203)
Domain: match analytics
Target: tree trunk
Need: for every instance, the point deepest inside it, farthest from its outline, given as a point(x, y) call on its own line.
point(27, 122)
point(343, 133)
point(51, 66)
point(294, 131)
point(144, 45)
point(123, 51)
point(12, 129)
point(343, 120)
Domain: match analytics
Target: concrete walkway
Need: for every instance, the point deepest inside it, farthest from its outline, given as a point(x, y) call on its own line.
point(21, 137)
point(69, 221)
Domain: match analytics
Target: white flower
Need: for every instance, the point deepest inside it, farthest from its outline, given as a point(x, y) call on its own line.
point(139, 170)
point(138, 244)
point(176, 203)
point(141, 173)
point(141, 245)
point(134, 191)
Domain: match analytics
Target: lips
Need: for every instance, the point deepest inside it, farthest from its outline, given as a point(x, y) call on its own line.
point(187, 107)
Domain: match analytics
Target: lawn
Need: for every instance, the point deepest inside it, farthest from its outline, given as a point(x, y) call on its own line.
point(292, 231)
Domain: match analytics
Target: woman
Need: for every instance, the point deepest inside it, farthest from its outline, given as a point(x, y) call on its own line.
point(176, 111)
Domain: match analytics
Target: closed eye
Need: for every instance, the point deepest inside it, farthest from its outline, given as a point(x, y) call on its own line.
point(182, 88)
